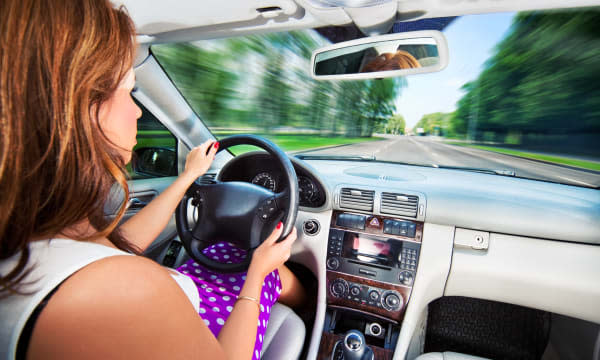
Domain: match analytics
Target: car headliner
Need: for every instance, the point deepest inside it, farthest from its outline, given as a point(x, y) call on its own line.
point(159, 21)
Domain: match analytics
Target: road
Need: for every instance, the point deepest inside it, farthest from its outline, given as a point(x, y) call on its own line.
point(424, 150)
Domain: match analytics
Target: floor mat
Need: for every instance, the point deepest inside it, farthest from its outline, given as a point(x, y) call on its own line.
point(486, 328)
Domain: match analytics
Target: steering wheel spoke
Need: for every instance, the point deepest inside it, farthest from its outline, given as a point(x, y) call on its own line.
point(282, 199)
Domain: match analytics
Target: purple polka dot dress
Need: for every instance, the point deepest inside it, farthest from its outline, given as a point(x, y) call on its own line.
point(218, 292)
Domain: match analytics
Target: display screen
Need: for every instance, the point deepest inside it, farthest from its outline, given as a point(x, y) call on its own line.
point(369, 249)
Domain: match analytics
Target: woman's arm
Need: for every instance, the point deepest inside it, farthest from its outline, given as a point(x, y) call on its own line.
point(142, 228)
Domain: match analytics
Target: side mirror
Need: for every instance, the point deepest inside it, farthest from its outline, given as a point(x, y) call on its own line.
point(155, 162)
point(376, 57)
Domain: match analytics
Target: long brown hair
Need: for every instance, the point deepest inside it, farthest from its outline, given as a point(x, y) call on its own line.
point(59, 60)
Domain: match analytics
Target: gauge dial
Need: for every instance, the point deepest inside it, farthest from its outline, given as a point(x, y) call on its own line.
point(306, 189)
point(265, 180)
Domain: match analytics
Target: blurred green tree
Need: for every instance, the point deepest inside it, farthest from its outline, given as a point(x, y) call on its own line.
point(396, 125)
point(541, 80)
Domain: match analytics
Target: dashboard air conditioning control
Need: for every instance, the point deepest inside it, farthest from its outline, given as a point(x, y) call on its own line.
point(339, 288)
point(391, 300)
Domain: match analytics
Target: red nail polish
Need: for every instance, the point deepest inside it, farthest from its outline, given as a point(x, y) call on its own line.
point(216, 145)
point(279, 225)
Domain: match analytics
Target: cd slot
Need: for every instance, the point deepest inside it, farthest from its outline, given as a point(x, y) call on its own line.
point(369, 264)
point(377, 257)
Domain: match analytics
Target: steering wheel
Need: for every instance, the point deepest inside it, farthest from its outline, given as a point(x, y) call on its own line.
point(241, 213)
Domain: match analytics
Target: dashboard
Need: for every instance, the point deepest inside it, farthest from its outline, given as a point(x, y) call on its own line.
point(384, 278)
point(483, 236)
point(259, 168)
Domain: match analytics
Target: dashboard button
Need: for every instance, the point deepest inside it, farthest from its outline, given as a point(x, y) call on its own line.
point(359, 222)
point(412, 229)
point(355, 290)
point(396, 228)
point(403, 229)
point(387, 226)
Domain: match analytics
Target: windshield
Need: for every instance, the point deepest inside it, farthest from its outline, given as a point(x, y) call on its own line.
point(520, 97)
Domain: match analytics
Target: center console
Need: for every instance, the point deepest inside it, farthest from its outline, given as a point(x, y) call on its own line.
point(371, 266)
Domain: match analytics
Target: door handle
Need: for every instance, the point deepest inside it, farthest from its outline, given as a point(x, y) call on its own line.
point(135, 204)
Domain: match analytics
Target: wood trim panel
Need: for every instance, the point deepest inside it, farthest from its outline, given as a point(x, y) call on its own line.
point(328, 341)
point(394, 315)
point(378, 230)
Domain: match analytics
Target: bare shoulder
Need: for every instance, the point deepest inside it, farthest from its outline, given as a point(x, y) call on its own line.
point(120, 307)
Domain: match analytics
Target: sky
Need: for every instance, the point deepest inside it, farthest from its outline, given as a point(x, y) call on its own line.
point(471, 41)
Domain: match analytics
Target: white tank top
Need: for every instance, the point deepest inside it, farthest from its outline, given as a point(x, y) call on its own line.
point(54, 261)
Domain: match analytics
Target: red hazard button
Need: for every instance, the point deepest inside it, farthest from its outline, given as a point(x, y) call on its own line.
point(374, 222)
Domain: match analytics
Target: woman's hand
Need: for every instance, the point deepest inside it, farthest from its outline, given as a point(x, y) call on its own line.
point(270, 255)
point(198, 161)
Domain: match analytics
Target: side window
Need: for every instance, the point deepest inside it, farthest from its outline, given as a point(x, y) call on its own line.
point(155, 154)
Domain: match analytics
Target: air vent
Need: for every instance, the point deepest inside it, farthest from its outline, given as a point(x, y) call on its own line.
point(207, 179)
point(357, 199)
point(399, 204)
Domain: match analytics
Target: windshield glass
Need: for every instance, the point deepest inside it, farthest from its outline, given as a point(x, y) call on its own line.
point(520, 97)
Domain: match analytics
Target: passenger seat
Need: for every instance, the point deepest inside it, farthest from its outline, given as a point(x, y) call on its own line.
point(285, 334)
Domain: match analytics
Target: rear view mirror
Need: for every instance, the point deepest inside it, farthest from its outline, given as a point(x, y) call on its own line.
point(401, 54)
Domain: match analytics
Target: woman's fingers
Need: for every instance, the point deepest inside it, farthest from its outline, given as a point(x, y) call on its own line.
point(270, 254)
point(289, 240)
point(275, 234)
point(203, 148)
point(213, 149)
point(199, 158)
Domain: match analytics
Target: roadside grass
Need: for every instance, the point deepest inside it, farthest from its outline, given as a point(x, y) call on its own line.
point(152, 138)
point(296, 142)
point(553, 159)
point(288, 142)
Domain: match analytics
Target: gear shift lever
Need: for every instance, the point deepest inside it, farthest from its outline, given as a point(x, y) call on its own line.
point(354, 347)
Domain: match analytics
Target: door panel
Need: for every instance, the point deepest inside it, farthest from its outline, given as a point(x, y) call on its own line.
point(144, 190)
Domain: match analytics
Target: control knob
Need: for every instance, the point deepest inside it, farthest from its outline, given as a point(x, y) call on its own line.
point(406, 278)
point(355, 290)
point(391, 301)
point(333, 263)
point(339, 288)
point(374, 295)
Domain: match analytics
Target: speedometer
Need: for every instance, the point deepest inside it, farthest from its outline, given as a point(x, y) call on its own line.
point(265, 180)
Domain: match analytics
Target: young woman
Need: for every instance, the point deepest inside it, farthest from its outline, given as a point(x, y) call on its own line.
point(71, 285)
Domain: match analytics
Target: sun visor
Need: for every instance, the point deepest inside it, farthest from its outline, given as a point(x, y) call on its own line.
point(158, 16)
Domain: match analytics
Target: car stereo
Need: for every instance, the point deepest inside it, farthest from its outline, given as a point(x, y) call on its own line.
point(377, 253)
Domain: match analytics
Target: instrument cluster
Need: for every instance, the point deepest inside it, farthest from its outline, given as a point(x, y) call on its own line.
point(259, 169)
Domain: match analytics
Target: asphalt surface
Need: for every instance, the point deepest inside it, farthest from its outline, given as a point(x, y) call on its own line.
point(424, 150)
